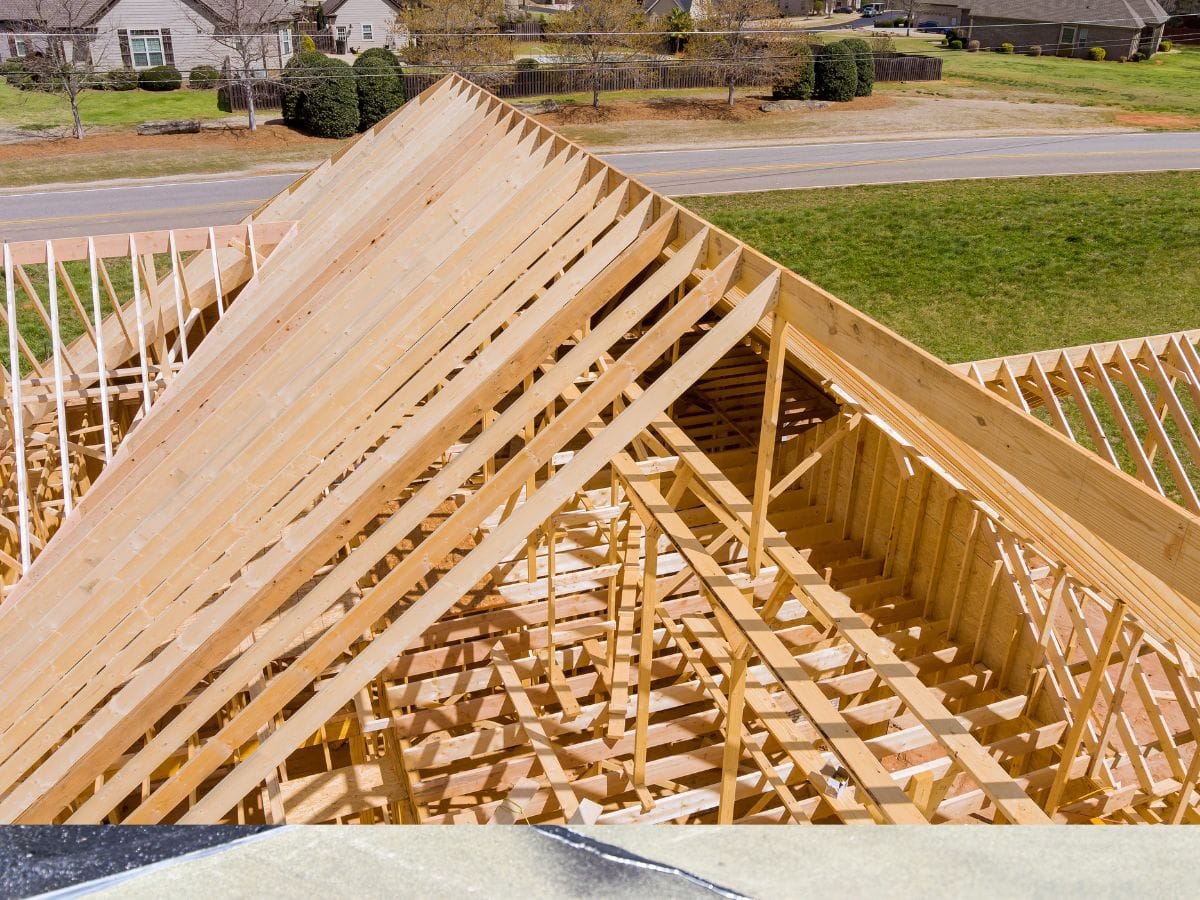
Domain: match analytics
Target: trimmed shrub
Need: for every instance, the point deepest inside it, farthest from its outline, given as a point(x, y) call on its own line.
point(307, 44)
point(1099, 54)
point(203, 78)
point(956, 45)
point(323, 99)
point(16, 73)
point(798, 81)
point(974, 46)
point(123, 79)
point(1138, 57)
point(299, 76)
point(527, 64)
point(836, 73)
point(379, 85)
point(1165, 46)
point(160, 78)
point(1006, 47)
point(864, 61)
point(1035, 50)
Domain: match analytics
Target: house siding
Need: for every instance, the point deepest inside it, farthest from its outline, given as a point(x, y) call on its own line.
point(190, 47)
point(992, 33)
point(353, 14)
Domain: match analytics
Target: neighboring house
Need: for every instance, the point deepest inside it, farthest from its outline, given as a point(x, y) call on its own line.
point(1068, 27)
point(364, 24)
point(140, 34)
point(946, 15)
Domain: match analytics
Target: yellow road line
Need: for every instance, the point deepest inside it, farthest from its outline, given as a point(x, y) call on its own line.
point(201, 207)
point(784, 167)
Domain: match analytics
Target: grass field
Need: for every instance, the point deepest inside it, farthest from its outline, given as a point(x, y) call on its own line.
point(976, 269)
point(35, 110)
point(104, 166)
point(1168, 83)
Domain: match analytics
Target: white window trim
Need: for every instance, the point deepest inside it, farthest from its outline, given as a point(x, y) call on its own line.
point(285, 42)
point(368, 32)
point(22, 48)
point(147, 34)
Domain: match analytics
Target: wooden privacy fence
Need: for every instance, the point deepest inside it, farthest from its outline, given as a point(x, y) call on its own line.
point(906, 67)
point(567, 79)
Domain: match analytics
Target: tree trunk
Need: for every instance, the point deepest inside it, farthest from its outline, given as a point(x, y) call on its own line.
point(595, 89)
point(248, 81)
point(731, 86)
point(74, 96)
point(250, 118)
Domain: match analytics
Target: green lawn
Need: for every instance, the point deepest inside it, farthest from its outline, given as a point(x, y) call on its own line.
point(1168, 83)
point(37, 110)
point(976, 269)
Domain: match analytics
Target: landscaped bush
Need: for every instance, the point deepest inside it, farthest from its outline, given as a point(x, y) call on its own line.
point(973, 46)
point(956, 45)
point(299, 76)
point(322, 99)
point(160, 78)
point(203, 78)
point(1006, 47)
point(864, 60)
point(307, 44)
point(1165, 46)
point(1035, 50)
point(836, 73)
point(16, 74)
point(1099, 54)
point(798, 80)
point(527, 64)
point(123, 79)
point(1138, 56)
point(379, 85)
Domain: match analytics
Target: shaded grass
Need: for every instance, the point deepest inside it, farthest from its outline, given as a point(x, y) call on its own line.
point(35, 110)
point(977, 269)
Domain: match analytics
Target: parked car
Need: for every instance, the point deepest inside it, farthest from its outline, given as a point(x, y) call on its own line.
point(933, 27)
point(843, 9)
point(872, 9)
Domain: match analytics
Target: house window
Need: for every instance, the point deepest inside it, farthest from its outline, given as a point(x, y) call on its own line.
point(146, 48)
point(343, 32)
point(285, 42)
point(1083, 35)
point(19, 44)
point(368, 32)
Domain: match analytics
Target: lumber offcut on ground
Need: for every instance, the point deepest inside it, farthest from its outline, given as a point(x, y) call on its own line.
point(469, 481)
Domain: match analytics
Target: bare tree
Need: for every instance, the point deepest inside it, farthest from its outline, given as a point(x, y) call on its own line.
point(463, 36)
point(602, 36)
point(63, 61)
point(250, 31)
point(727, 41)
point(912, 9)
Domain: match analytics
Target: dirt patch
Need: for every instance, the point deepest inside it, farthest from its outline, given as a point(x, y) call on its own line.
point(1157, 120)
point(267, 138)
point(685, 109)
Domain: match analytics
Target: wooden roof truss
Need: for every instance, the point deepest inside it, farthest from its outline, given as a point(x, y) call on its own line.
point(509, 491)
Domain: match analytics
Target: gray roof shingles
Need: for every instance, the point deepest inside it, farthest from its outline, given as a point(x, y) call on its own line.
point(1118, 13)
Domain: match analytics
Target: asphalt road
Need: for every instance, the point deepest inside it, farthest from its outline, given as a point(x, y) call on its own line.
point(25, 216)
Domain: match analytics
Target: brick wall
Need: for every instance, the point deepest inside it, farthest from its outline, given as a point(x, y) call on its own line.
point(1117, 42)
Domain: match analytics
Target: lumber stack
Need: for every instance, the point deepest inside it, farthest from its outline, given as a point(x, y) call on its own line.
point(505, 490)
